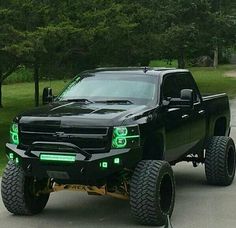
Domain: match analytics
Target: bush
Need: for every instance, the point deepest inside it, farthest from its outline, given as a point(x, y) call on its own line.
point(21, 75)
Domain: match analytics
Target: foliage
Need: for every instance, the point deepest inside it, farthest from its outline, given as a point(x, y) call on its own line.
point(22, 74)
point(60, 37)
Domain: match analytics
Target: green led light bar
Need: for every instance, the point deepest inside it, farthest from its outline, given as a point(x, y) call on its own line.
point(57, 157)
point(132, 136)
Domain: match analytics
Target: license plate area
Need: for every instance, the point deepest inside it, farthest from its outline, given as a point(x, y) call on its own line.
point(58, 175)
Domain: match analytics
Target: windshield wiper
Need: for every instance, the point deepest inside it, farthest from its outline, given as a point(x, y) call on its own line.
point(115, 101)
point(78, 100)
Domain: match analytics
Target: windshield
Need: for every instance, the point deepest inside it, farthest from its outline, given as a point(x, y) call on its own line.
point(135, 89)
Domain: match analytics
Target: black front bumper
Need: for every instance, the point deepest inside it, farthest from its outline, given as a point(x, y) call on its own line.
point(83, 170)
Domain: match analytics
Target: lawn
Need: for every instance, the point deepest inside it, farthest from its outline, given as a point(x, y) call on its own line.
point(212, 80)
point(16, 99)
point(19, 97)
point(209, 79)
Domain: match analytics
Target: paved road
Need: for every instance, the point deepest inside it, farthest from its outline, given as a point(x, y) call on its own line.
point(197, 205)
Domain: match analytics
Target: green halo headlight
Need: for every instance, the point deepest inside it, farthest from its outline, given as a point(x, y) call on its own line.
point(14, 137)
point(119, 142)
point(125, 137)
point(120, 131)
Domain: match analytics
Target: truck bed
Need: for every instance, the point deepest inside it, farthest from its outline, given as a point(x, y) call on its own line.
point(216, 106)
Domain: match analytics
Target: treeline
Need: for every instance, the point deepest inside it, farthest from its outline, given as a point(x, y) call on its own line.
point(58, 37)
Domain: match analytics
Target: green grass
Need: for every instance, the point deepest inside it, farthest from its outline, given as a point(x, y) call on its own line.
point(211, 80)
point(19, 97)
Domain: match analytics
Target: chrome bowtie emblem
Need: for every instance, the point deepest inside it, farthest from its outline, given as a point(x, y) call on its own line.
point(59, 134)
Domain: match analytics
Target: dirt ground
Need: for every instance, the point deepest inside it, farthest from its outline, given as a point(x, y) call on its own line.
point(231, 74)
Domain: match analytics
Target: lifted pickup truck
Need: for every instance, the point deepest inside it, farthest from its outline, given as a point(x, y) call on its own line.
point(117, 131)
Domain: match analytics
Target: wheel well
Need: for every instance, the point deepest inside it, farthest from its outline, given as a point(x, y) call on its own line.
point(154, 148)
point(220, 127)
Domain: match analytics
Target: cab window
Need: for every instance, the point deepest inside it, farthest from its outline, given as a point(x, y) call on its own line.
point(174, 83)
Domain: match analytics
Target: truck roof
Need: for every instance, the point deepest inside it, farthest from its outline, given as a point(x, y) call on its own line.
point(155, 71)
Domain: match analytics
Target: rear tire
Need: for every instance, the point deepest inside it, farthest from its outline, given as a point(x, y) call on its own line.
point(220, 161)
point(18, 191)
point(152, 192)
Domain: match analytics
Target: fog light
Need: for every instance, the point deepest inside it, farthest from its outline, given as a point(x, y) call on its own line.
point(17, 160)
point(11, 156)
point(14, 138)
point(116, 160)
point(103, 165)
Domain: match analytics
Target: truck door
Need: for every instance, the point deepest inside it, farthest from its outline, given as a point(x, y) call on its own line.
point(177, 120)
point(197, 115)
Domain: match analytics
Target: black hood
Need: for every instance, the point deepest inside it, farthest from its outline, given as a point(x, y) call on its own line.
point(75, 113)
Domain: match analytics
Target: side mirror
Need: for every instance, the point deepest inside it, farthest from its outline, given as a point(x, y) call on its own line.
point(187, 94)
point(185, 100)
point(47, 96)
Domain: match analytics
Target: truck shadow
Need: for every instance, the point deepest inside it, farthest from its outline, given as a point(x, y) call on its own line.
point(188, 177)
point(73, 209)
point(89, 211)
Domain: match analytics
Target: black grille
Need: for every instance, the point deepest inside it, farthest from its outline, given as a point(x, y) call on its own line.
point(93, 140)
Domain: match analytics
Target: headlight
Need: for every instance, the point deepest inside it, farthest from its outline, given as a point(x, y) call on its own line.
point(125, 137)
point(14, 137)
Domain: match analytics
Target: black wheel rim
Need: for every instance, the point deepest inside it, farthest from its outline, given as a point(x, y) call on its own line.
point(166, 193)
point(31, 188)
point(231, 160)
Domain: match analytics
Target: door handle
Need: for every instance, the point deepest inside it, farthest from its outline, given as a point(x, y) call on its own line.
point(186, 116)
point(201, 112)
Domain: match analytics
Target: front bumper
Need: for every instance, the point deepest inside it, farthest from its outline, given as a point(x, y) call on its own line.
point(83, 170)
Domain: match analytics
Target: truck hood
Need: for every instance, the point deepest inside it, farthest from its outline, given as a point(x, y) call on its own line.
point(74, 113)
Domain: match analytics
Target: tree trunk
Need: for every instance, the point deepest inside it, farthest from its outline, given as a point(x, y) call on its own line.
point(181, 62)
point(36, 84)
point(1, 80)
point(216, 56)
point(3, 76)
point(1, 106)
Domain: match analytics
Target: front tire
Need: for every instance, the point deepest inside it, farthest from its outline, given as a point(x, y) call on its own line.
point(220, 161)
point(18, 191)
point(152, 192)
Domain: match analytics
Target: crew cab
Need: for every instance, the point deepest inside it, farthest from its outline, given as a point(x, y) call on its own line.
point(118, 131)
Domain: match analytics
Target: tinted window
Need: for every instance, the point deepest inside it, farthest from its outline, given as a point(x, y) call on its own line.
point(170, 88)
point(173, 84)
point(185, 81)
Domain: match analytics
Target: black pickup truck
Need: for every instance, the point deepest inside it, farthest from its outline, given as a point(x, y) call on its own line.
point(117, 132)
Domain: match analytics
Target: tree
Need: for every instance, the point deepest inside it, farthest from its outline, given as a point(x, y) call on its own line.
point(57, 38)
point(8, 60)
point(222, 26)
point(30, 40)
point(181, 29)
